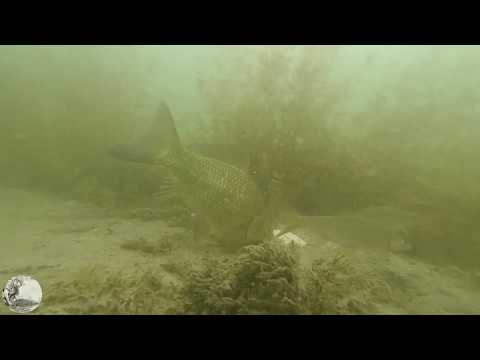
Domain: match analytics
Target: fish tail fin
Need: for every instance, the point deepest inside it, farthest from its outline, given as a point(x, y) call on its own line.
point(160, 139)
point(163, 131)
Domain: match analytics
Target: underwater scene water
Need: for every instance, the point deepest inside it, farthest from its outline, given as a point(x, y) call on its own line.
point(241, 179)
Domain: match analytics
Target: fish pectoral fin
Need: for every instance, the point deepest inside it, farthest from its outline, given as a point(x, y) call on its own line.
point(168, 189)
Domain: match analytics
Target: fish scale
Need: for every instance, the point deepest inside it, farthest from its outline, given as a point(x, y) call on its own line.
point(218, 185)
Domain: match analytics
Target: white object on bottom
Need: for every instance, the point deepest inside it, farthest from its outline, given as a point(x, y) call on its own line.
point(290, 238)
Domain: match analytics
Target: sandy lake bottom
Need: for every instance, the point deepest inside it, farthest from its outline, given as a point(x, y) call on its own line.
point(54, 240)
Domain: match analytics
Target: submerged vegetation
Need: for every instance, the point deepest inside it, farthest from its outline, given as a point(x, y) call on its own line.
point(162, 246)
point(263, 279)
point(98, 290)
point(268, 279)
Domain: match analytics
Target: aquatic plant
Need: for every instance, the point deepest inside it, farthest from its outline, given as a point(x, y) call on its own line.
point(334, 285)
point(162, 246)
point(268, 279)
point(284, 98)
point(261, 280)
point(98, 290)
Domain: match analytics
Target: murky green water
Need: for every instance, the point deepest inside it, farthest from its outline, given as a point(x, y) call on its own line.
point(372, 150)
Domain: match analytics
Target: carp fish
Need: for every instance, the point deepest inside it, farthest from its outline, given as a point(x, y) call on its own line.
point(223, 197)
